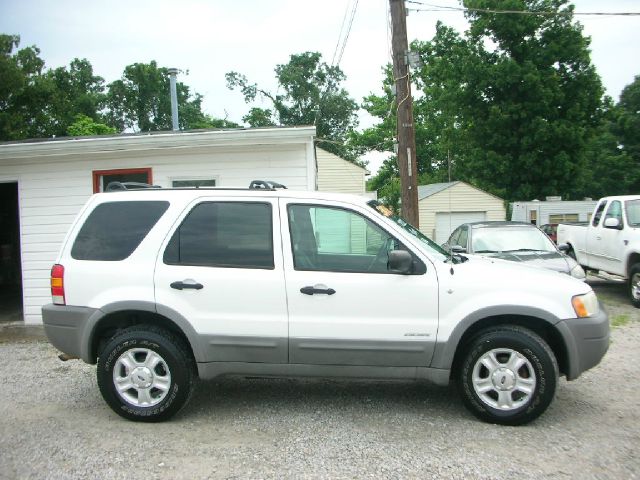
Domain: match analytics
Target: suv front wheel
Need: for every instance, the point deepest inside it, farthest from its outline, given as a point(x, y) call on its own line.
point(508, 376)
point(145, 373)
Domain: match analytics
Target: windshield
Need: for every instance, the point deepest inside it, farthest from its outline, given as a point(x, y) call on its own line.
point(510, 239)
point(432, 246)
point(633, 212)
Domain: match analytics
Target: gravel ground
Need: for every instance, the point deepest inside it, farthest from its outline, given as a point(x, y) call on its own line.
point(54, 424)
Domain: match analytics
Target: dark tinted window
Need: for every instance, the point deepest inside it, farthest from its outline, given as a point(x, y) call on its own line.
point(115, 229)
point(598, 214)
point(220, 234)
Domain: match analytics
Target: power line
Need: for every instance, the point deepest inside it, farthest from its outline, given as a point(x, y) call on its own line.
point(346, 37)
point(344, 18)
point(445, 8)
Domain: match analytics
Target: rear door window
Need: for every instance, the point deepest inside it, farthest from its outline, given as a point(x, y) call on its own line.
point(224, 234)
point(113, 230)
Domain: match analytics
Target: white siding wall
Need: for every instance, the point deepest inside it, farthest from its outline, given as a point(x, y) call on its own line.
point(461, 197)
point(52, 190)
point(338, 175)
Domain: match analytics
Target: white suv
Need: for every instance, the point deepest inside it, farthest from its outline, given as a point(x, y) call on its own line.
point(158, 286)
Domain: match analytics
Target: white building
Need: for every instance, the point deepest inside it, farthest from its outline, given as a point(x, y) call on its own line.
point(44, 183)
point(443, 207)
point(338, 175)
point(553, 210)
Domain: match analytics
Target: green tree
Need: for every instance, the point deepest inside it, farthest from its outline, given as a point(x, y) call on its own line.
point(84, 126)
point(513, 104)
point(534, 104)
point(73, 91)
point(35, 102)
point(627, 130)
point(312, 95)
point(19, 88)
point(140, 101)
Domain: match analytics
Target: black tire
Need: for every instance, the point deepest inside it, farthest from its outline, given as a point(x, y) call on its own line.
point(634, 285)
point(539, 364)
point(175, 371)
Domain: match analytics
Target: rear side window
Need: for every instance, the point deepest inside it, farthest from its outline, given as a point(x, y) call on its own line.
point(115, 229)
point(224, 234)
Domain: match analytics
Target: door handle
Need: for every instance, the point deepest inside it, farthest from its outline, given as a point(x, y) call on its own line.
point(319, 291)
point(187, 284)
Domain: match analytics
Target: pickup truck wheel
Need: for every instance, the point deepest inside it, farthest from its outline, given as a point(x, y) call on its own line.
point(634, 285)
point(508, 376)
point(145, 374)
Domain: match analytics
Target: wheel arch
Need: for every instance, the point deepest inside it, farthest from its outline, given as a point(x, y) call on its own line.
point(448, 354)
point(632, 260)
point(114, 317)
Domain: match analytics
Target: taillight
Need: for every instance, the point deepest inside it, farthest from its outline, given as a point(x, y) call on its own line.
point(57, 284)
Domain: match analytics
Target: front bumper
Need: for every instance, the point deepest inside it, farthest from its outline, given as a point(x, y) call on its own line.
point(586, 341)
point(68, 329)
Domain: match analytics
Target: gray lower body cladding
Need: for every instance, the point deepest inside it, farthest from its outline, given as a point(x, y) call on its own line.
point(68, 329)
point(586, 341)
point(217, 369)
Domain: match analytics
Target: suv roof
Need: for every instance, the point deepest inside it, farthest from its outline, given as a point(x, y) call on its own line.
point(187, 193)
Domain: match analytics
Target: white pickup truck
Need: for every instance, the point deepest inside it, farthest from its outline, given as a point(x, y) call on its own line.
point(610, 242)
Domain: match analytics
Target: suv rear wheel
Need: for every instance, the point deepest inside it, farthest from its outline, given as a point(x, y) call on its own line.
point(145, 373)
point(508, 376)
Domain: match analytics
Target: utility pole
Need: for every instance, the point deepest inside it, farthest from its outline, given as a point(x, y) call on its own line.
point(405, 130)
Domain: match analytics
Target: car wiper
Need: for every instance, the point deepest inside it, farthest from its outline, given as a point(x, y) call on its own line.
point(524, 250)
point(485, 251)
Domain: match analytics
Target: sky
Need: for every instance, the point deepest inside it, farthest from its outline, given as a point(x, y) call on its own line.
point(210, 38)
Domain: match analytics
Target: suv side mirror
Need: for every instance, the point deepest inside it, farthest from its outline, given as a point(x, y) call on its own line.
point(564, 247)
point(400, 261)
point(612, 223)
point(458, 249)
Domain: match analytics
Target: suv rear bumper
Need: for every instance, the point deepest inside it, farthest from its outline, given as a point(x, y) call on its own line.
point(67, 329)
point(586, 341)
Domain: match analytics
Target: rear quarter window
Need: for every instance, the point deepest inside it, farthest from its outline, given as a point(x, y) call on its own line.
point(113, 230)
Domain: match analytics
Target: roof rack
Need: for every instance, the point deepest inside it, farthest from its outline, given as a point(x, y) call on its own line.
point(265, 185)
point(254, 185)
point(121, 186)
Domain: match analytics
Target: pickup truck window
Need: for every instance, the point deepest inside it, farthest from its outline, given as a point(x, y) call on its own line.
point(598, 214)
point(615, 211)
point(633, 212)
point(462, 239)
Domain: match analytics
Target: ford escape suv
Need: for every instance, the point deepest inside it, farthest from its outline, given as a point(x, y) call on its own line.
point(161, 286)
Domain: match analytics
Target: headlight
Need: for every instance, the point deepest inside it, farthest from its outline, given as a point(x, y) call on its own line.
point(585, 305)
point(578, 272)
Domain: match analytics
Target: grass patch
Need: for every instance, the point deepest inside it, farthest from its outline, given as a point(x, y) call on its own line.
point(620, 320)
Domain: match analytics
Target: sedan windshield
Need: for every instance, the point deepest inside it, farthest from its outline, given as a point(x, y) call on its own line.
point(633, 212)
point(510, 239)
point(432, 246)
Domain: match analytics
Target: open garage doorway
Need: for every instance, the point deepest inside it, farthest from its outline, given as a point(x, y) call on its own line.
point(10, 267)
